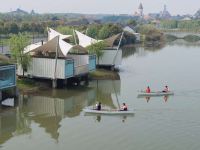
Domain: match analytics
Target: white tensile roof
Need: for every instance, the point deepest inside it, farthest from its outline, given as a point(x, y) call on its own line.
point(85, 40)
point(52, 34)
point(30, 47)
point(51, 46)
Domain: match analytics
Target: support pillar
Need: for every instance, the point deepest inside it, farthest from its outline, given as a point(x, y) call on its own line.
point(54, 83)
point(86, 80)
point(65, 82)
point(112, 68)
point(0, 95)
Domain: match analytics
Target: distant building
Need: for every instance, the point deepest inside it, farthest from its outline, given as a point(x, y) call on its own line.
point(140, 10)
point(132, 31)
point(139, 13)
point(156, 23)
point(19, 11)
point(32, 12)
point(197, 14)
point(186, 19)
point(165, 14)
point(154, 15)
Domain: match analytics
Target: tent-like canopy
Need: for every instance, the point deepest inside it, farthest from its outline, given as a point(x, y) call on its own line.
point(85, 40)
point(52, 45)
point(52, 34)
point(111, 40)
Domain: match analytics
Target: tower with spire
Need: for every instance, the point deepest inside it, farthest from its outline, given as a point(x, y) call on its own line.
point(140, 10)
point(165, 14)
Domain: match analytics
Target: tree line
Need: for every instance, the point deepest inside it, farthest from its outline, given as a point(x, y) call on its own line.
point(7, 28)
point(189, 25)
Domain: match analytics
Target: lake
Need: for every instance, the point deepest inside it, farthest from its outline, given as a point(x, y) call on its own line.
point(54, 119)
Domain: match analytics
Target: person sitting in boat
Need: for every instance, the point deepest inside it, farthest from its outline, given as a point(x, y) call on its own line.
point(98, 106)
point(124, 107)
point(166, 89)
point(148, 90)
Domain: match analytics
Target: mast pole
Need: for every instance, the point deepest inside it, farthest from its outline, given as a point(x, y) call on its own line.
point(55, 69)
point(119, 44)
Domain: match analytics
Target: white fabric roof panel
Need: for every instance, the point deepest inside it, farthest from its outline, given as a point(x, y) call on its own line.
point(50, 46)
point(29, 48)
point(85, 40)
point(64, 47)
point(52, 34)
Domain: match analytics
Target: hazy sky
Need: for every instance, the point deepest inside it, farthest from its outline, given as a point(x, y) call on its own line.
point(102, 6)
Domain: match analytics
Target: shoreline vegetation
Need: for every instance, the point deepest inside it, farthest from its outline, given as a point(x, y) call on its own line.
point(188, 38)
point(103, 74)
point(31, 86)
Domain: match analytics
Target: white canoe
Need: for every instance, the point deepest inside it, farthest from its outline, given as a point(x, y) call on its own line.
point(108, 112)
point(144, 94)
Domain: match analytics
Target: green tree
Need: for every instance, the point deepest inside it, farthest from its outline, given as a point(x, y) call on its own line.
point(97, 49)
point(131, 22)
point(25, 27)
point(151, 33)
point(13, 28)
point(93, 30)
point(65, 30)
point(169, 24)
point(104, 32)
point(109, 30)
point(17, 45)
point(115, 29)
point(1, 27)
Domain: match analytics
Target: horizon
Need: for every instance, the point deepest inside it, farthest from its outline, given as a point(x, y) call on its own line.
point(104, 7)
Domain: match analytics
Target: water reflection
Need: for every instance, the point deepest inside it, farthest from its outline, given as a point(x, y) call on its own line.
point(140, 51)
point(107, 92)
point(128, 51)
point(165, 98)
point(181, 42)
point(49, 108)
point(98, 118)
point(13, 122)
point(8, 124)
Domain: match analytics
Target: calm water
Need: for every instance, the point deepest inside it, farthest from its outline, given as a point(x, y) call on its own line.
point(54, 119)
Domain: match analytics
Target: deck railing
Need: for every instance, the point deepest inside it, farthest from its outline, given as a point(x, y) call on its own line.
point(7, 76)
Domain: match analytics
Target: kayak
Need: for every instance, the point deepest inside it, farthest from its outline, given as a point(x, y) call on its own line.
point(144, 94)
point(108, 112)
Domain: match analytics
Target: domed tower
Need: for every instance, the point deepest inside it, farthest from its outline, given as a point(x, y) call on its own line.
point(140, 10)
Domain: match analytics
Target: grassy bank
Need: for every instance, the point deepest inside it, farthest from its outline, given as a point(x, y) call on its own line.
point(102, 74)
point(30, 86)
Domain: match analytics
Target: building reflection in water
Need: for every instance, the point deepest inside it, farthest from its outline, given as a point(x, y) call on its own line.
point(107, 93)
point(48, 108)
point(13, 122)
